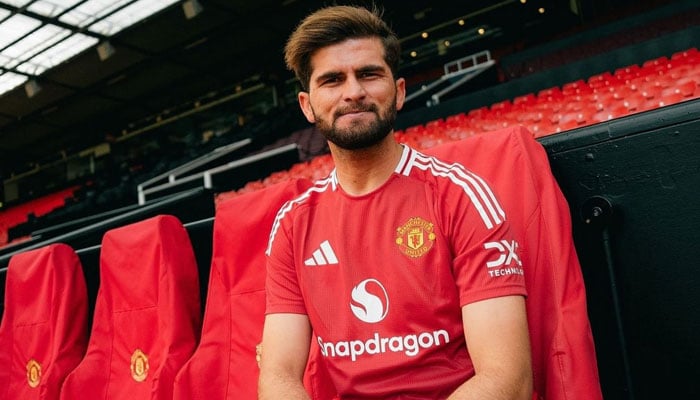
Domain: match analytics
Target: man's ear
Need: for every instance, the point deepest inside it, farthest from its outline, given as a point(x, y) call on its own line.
point(400, 92)
point(305, 104)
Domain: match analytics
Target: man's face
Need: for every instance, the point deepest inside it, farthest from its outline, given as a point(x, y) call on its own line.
point(352, 97)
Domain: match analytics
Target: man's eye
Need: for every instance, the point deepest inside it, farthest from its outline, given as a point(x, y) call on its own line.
point(330, 81)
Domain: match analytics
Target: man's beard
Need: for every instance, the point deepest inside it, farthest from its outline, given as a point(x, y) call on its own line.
point(360, 135)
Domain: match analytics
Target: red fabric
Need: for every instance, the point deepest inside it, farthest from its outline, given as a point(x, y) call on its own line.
point(224, 365)
point(45, 320)
point(148, 301)
point(517, 167)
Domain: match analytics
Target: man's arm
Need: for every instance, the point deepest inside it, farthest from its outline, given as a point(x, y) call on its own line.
point(498, 342)
point(285, 349)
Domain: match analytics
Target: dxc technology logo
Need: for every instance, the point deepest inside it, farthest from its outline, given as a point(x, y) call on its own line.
point(370, 302)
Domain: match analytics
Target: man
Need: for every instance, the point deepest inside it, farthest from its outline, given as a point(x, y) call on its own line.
point(386, 260)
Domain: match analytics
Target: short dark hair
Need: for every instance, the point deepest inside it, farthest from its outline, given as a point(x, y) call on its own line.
point(332, 25)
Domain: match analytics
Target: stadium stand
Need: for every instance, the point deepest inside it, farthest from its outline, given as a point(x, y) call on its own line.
point(602, 97)
point(127, 169)
point(649, 84)
point(44, 329)
point(618, 116)
point(20, 214)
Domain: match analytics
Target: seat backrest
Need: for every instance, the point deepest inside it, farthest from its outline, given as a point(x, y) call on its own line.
point(517, 168)
point(147, 314)
point(224, 365)
point(44, 331)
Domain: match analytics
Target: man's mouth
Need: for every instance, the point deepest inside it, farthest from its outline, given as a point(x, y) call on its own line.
point(354, 111)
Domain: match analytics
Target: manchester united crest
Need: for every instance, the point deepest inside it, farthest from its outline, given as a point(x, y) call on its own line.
point(33, 373)
point(139, 366)
point(415, 237)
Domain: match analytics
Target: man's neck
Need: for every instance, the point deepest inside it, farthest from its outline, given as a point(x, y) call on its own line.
point(362, 171)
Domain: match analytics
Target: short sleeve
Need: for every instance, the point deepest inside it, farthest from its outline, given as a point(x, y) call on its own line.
point(486, 261)
point(283, 293)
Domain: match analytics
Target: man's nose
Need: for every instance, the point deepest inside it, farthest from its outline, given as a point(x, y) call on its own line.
point(354, 89)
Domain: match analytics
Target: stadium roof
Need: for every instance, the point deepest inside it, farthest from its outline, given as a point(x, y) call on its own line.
point(36, 35)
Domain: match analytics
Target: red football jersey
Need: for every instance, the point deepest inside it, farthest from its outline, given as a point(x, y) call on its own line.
point(383, 276)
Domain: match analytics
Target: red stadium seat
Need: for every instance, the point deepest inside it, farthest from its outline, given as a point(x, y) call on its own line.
point(44, 331)
point(147, 314)
point(564, 361)
point(478, 112)
point(635, 102)
point(542, 128)
point(616, 111)
point(603, 80)
point(690, 53)
point(603, 100)
point(569, 122)
point(549, 95)
point(457, 127)
point(416, 130)
point(501, 107)
point(437, 124)
point(670, 98)
point(525, 100)
point(224, 365)
point(530, 116)
point(573, 87)
point(655, 62)
point(459, 119)
point(628, 72)
point(687, 89)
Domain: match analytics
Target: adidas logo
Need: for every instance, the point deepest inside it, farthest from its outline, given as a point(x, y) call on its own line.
point(324, 255)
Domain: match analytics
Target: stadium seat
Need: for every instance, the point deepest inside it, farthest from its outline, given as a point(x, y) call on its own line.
point(575, 87)
point(459, 119)
point(670, 98)
point(416, 130)
point(147, 314)
point(659, 61)
point(690, 53)
point(542, 128)
point(478, 112)
point(564, 360)
point(436, 124)
point(501, 107)
point(628, 72)
point(549, 95)
point(531, 116)
point(688, 89)
point(603, 80)
point(525, 100)
point(224, 364)
point(44, 331)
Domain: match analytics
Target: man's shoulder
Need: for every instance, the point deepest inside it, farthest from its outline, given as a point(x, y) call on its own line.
point(312, 195)
point(430, 167)
point(455, 184)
